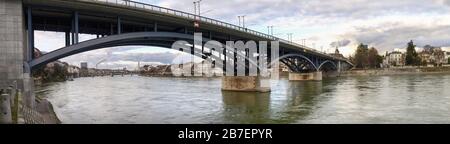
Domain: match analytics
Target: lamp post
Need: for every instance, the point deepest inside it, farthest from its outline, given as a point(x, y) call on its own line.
point(243, 20)
point(270, 30)
point(304, 42)
point(197, 3)
point(239, 17)
point(290, 37)
point(195, 8)
point(199, 10)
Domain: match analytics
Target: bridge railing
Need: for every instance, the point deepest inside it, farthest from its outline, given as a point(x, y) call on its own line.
point(195, 17)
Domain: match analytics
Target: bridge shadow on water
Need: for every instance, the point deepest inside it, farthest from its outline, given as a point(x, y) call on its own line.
point(290, 102)
point(301, 101)
point(246, 107)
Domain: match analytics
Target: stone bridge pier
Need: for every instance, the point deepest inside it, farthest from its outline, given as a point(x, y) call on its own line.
point(13, 49)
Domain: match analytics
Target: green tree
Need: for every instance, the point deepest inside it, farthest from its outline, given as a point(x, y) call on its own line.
point(412, 58)
point(360, 59)
point(374, 60)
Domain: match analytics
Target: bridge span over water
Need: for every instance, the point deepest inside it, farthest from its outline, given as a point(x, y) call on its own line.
point(122, 23)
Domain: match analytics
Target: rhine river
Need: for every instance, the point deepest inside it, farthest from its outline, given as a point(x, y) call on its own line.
point(134, 99)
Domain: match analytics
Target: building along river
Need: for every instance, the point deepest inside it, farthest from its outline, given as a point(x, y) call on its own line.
point(134, 99)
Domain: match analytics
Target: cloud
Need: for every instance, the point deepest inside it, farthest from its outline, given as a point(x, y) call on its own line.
point(340, 43)
point(388, 39)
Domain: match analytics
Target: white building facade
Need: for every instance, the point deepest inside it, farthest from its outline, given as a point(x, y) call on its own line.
point(394, 58)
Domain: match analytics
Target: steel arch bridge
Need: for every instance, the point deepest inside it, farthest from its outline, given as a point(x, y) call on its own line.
point(122, 23)
point(125, 22)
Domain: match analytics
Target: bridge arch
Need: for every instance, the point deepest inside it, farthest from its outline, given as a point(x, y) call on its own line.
point(310, 62)
point(160, 39)
point(327, 62)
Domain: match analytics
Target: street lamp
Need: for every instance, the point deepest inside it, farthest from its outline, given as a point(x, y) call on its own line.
point(290, 37)
point(243, 20)
point(270, 30)
point(239, 17)
point(304, 42)
point(195, 7)
point(199, 10)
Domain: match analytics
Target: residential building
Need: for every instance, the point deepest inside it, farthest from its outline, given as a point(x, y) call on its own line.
point(84, 72)
point(433, 56)
point(73, 71)
point(395, 58)
point(447, 57)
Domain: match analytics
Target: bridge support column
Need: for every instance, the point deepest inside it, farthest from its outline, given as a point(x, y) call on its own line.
point(67, 37)
point(16, 48)
point(339, 67)
point(12, 42)
point(76, 27)
point(313, 76)
point(119, 25)
point(245, 83)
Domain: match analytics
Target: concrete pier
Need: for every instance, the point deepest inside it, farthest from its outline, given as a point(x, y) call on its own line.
point(14, 51)
point(245, 84)
point(12, 42)
point(313, 76)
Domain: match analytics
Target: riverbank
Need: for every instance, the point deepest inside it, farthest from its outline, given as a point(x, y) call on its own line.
point(46, 111)
point(396, 71)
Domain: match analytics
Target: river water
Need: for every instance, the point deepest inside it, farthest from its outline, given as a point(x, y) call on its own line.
point(134, 99)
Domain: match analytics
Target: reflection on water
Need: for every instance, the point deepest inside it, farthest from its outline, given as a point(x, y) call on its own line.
point(383, 99)
point(246, 107)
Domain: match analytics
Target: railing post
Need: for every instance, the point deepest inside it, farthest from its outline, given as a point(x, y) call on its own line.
point(5, 109)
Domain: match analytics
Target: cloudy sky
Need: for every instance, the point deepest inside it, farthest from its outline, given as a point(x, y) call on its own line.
point(384, 24)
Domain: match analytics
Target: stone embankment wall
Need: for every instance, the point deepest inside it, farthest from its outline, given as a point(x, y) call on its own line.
point(397, 71)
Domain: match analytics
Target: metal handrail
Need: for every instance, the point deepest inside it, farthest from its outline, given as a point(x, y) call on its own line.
point(194, 17)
